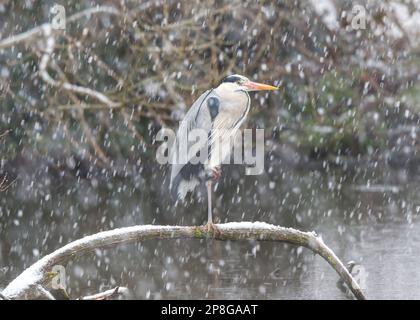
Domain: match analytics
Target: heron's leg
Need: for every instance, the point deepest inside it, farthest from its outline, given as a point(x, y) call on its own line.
point(209, 202)
point(210, 226)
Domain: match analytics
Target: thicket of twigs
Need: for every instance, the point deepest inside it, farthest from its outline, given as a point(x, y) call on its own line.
point(101, 89)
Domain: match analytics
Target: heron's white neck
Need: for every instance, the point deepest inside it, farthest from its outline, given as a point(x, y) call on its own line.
point(229, 91)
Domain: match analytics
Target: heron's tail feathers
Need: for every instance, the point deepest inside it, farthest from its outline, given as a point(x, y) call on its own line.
point(180, 187)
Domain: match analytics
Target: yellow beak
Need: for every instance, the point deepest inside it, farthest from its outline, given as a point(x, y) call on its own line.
point(255, 86)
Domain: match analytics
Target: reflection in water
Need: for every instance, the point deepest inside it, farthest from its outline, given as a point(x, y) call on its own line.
point(365, 215)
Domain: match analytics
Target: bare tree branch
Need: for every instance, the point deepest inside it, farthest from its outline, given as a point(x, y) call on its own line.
point(5, 133)
point(31, 34)
point(47, 31)
point(45, 60)
point(38, 274)
point(5, 184)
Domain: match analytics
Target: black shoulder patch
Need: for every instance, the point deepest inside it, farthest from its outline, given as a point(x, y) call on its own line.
point(231, 78)
point(213, 104)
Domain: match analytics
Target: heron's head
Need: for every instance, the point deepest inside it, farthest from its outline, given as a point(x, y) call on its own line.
point(237, 81)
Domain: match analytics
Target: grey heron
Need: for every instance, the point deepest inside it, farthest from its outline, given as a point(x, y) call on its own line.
point(218, 111)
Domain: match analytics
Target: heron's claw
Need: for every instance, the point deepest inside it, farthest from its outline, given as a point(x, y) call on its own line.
point(211, 229)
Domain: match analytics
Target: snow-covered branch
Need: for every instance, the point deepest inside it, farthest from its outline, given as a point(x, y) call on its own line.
point(31, 35)
point(28, 285)
point(108, 294)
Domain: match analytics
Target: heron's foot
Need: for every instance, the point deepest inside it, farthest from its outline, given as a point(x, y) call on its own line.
point(217, 172)
point(211, 229)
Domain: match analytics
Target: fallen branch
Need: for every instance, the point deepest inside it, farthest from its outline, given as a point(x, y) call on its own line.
point(105, 295)
point(2, 297)
point(39, 273)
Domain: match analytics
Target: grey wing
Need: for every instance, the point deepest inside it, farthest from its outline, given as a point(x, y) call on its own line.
point(224, 128)
point(185, 176)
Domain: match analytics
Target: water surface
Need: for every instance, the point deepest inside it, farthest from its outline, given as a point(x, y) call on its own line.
point(369, 215)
